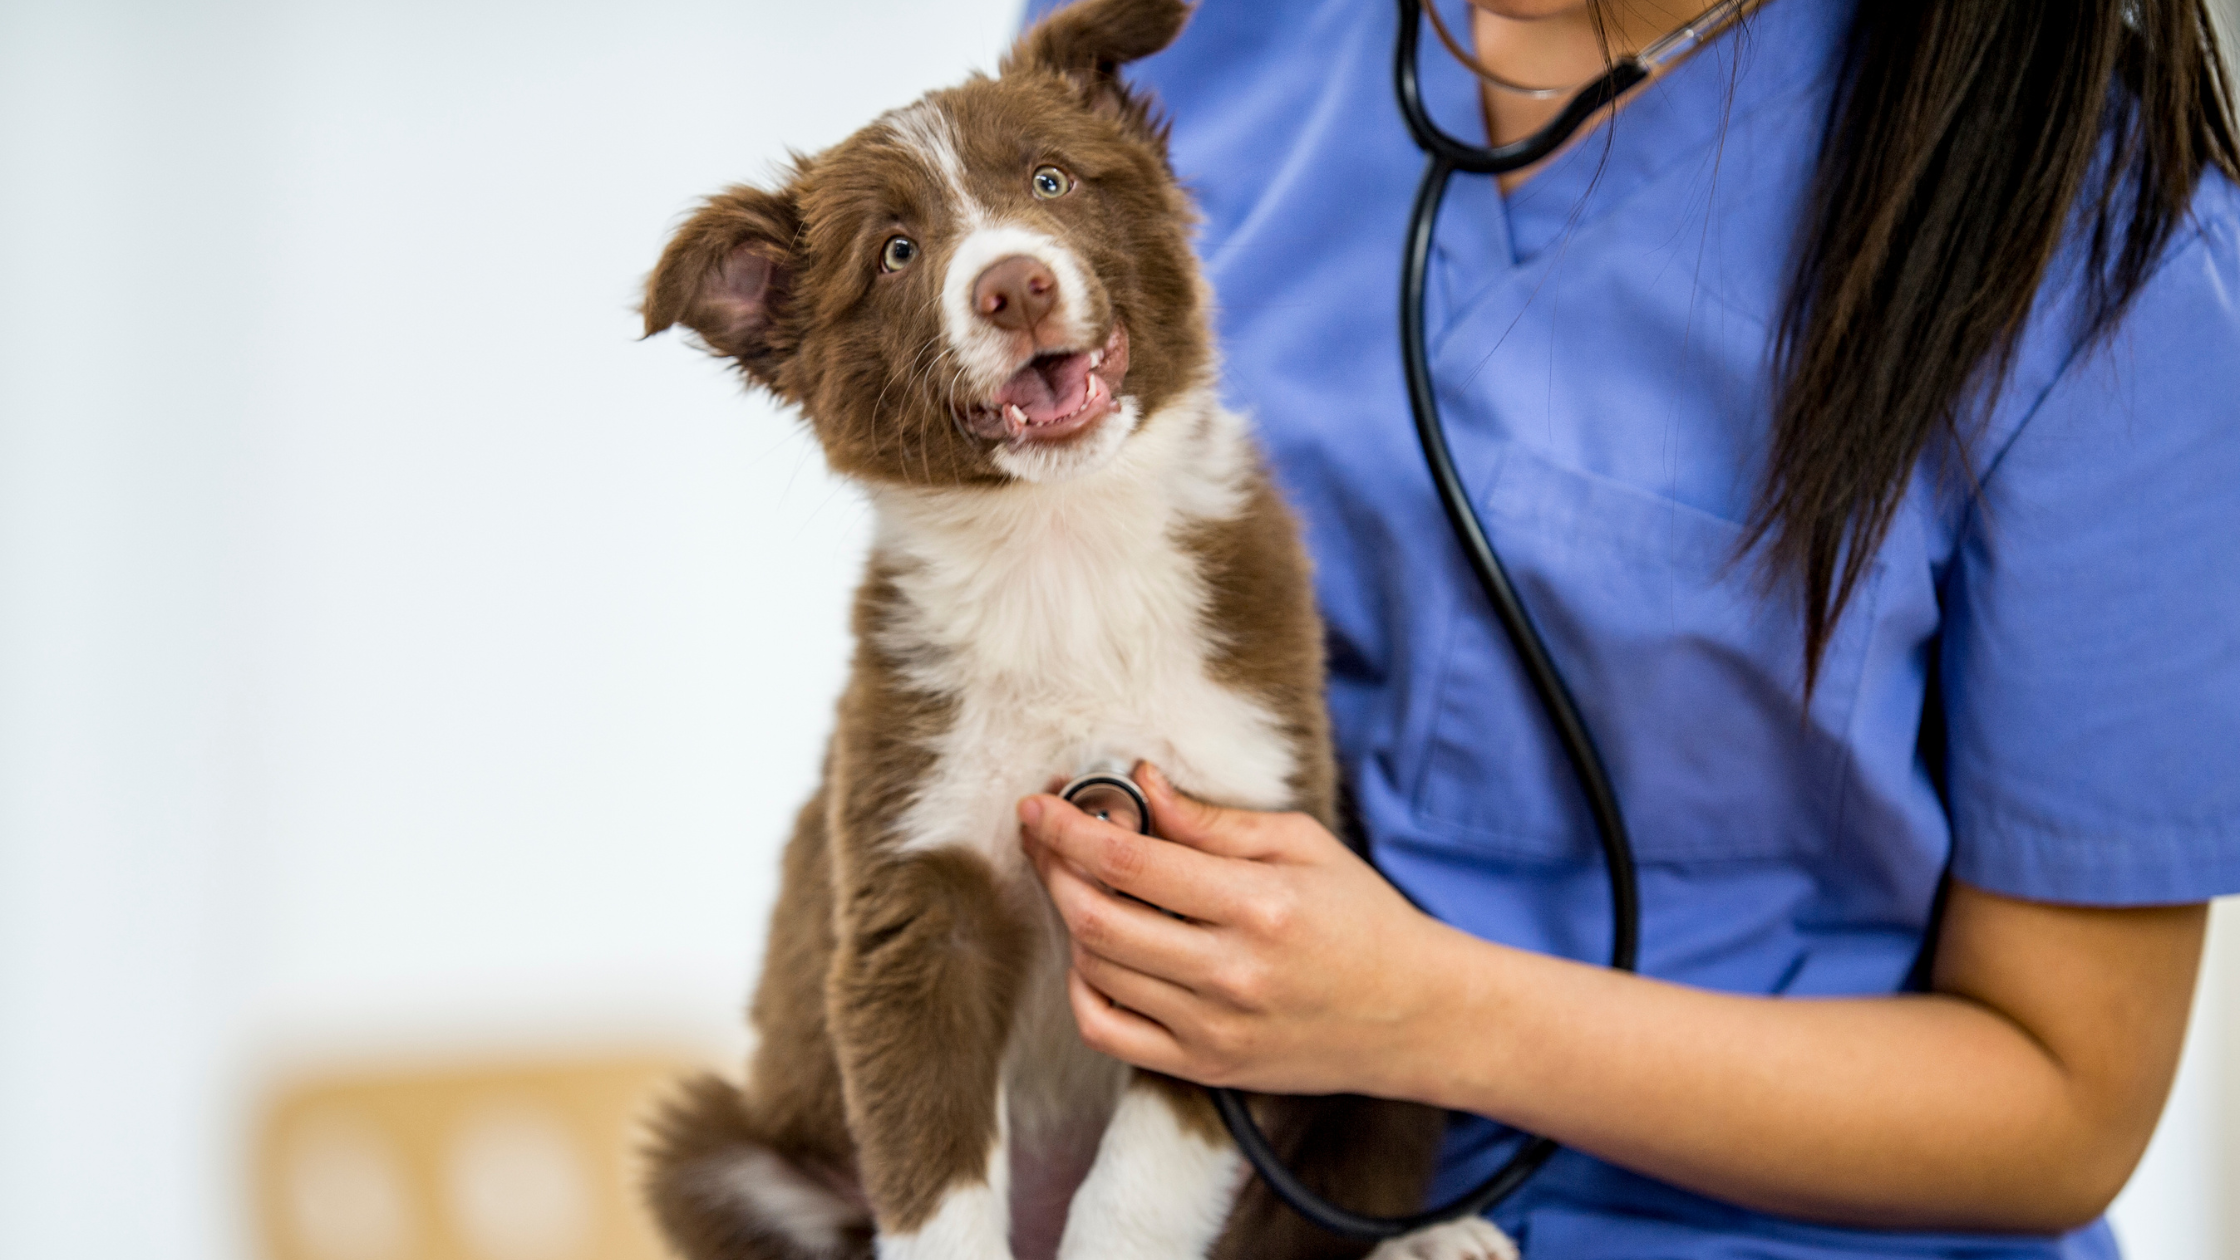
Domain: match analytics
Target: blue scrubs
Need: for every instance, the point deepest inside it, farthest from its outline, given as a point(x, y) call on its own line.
point(1600, 338)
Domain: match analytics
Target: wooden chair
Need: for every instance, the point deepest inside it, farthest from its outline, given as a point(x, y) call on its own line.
point(529, 1161)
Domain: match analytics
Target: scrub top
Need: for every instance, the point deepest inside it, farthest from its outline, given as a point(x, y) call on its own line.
point(1600, 341)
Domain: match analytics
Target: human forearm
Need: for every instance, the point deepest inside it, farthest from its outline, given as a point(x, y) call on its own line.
point(1929, 1111)
point(2016, 1098)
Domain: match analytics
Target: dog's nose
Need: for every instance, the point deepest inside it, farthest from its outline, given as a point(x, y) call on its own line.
point(1015, 293)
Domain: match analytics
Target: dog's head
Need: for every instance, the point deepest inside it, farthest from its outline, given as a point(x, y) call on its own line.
point(992, 283)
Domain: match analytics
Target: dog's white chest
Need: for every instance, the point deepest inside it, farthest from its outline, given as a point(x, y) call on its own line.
point(1068, 626)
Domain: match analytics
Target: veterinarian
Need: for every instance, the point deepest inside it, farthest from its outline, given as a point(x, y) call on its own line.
point(1858, 409)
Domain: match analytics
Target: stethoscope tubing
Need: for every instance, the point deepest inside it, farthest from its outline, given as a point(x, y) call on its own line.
point(1445, 155)
point(1548, 684)
point(1440, 145)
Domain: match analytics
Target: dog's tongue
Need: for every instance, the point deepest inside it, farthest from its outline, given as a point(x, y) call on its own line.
point(1048, 388)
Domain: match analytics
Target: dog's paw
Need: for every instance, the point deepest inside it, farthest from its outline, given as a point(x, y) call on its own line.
point(1470, 1238)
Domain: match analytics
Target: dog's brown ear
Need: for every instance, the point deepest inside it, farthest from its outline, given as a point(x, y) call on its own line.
point(728, 275)
point(1090, 40)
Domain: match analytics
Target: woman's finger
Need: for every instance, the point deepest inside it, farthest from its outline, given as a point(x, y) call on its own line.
point(1127, 932)
point(1124, 1034)
point(1169, 876)
point(1232, 833)
point(1163, 1002)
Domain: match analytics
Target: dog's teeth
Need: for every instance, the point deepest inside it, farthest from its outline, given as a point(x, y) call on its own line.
point(1096, 359)
point(1015, 413)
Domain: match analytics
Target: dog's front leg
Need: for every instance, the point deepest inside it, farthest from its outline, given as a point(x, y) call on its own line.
point(921, 995)
point(1165, 1178)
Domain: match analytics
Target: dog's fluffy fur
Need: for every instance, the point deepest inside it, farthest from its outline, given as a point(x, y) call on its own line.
point(1079, 562)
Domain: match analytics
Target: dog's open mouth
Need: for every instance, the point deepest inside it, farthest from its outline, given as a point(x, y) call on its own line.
point(1054, 395)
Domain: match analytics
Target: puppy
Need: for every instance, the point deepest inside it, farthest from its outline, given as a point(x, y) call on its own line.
point(986, 306)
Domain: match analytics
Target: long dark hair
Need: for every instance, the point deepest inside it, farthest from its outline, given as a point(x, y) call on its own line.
point(1967, 140)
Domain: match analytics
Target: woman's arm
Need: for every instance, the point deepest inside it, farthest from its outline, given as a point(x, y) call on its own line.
point(2016, 1097)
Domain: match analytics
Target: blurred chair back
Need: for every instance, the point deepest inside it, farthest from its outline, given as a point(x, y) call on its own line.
point(530, 1161)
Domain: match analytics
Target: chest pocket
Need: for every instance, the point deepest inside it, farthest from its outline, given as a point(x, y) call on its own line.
point(1688, 669)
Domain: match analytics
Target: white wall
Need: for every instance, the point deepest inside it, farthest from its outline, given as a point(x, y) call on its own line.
point(394, 653)
point(384, 633)
point(2184, 1202)
point(2181, 1204)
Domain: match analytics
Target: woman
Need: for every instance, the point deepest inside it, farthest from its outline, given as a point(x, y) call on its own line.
point(1858, 408)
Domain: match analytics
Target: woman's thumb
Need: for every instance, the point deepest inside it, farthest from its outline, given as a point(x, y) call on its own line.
point(1187, 820)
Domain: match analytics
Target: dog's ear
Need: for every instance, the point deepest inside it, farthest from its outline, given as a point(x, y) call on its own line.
point(728, 274)
point(1087, 42)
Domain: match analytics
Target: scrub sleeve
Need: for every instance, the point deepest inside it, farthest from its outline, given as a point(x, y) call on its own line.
point(2092, 635)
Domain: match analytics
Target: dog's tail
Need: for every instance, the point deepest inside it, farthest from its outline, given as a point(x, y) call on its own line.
point(723, 1191)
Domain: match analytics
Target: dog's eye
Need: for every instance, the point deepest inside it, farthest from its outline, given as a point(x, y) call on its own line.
point(1051, 183)
point(898, 253)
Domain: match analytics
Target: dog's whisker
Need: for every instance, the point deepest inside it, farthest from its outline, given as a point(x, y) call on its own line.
point(917, 370)
point(909, 376)
point(878, 423)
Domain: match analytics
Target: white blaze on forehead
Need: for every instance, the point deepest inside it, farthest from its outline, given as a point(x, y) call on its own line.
point(926, 130)
point(988, 354)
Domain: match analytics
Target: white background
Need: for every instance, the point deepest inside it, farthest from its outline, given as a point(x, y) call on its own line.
point(396, 657)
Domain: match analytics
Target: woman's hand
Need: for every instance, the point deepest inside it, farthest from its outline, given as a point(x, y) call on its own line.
point(2015, 1096)
point(1294, 968)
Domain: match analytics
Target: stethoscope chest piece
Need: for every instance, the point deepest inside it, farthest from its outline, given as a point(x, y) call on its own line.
point(1110, 798)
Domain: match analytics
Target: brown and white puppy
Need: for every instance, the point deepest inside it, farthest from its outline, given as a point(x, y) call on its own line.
point(986, 306)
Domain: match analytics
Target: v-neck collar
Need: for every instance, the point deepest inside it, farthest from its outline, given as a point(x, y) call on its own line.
point(1476, 239)
point(1773, 52)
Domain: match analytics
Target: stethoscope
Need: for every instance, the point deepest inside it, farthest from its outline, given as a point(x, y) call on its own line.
point(1115, 798)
